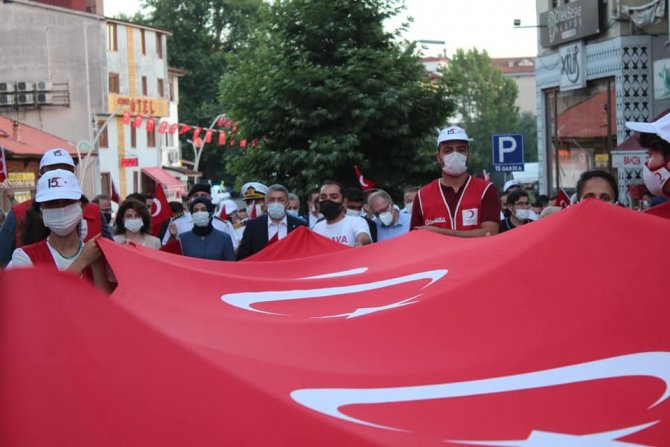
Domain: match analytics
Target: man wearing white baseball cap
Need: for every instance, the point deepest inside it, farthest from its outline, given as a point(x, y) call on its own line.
point(58, 198)
point(11, 231)
point(456, 204)
point(655, 137)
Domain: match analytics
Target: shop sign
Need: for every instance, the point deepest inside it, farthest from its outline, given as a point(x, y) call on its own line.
point(21, 176)
point(129, 162)
point(662, 79)
point(629, 166)
point(572, 21)
point(137, 105)
point(573, 66)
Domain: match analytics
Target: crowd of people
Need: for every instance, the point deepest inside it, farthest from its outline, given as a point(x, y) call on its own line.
point(60, 227)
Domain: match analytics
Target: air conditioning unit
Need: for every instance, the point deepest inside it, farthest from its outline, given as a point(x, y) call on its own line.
point(25, 98)
point(6, 87)
point(44, 98)
point(24, 86)
point(6, 100)
point(42, 86)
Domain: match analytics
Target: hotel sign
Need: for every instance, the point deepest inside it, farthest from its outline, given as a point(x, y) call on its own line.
point(572, 21)
point(138, 105)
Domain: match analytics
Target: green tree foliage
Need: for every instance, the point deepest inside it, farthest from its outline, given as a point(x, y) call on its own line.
point(323, 87)
point(528, 127)
point(484, 102)
point(203, 32)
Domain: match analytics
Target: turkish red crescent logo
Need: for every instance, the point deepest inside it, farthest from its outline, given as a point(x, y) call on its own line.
point(156, 208)
point(469, 214)
point(246, 300)
point(329, 401)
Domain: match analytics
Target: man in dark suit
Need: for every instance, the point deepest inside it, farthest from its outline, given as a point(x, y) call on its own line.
point(272, 226)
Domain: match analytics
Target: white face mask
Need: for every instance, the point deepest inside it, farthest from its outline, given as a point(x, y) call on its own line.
point(354, 213)
point(276, 210)
point(454, 164)
point(656, 181)
point(386, 218)
point(134, 225)
point(200, 218)
point(522, 213)
point(62, 221)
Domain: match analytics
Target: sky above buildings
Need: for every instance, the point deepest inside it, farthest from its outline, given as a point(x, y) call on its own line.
point(484, 24)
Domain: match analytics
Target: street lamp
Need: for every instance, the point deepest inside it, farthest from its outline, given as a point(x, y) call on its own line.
point(84, 144)
point(197, 149)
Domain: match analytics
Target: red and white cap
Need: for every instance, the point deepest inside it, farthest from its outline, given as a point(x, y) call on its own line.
point(452, 133)
point(56, 156)
point(58, 184)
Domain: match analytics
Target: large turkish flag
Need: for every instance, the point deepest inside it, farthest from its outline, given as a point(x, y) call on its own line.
point(418, 340)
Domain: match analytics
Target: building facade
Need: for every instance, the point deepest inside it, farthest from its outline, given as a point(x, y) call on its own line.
point(596, 70)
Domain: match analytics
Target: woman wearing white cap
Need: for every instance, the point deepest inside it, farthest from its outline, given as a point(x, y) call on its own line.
point(59, 197)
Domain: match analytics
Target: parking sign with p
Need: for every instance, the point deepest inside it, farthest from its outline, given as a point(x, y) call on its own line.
point(507, 152)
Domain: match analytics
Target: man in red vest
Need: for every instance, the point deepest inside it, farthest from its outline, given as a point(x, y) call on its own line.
point(456, 204)
point(93, 222)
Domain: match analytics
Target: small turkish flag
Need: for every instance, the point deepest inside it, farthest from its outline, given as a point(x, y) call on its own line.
point(173, 128)
point(126, 117)
point(222, 138)
point(151, 124)
point(365, 183)
point(208, 136)
point(160, 210)
point(162, 127)
point(196, 133)
point(221, 121)
point(562, 199)
point(243, 143)
point(115, 193)
point(184, 128)
point(137, 122)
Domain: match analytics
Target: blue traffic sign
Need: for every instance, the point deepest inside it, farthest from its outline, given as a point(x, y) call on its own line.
point(507, 152)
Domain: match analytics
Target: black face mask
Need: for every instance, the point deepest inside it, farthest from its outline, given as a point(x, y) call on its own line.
point(107, 216)
point(330, 209)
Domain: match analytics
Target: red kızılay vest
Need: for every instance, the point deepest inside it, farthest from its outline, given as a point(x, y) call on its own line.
point(40, 254)
point(90, 212)
point(468, 212)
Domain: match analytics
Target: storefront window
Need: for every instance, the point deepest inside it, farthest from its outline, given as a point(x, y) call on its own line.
point(581, 131)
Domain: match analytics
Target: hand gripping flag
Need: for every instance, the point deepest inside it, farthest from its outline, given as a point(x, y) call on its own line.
point(365, 183)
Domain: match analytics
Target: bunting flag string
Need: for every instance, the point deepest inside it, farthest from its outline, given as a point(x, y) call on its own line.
point(224, 133)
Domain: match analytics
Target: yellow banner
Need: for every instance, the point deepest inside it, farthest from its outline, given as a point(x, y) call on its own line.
point(138, 105)
point(18, 176)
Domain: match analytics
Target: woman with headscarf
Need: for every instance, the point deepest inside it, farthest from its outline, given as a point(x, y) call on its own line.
point(58, 197)
point(203, 241)
point(132, 223)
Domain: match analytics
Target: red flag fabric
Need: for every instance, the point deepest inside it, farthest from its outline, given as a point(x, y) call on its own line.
point(137, 122)
point(196, 133)
point(223, 215)
point(151, 124)
point(562, 199)
point(3, 165)
point(243, 143)
point(184, 128)
point(160, 210)
point(126, 117)
point(115, 193)
point(163, 127)
point(208, 135)
point(221, 121)
point(173, 128)
point(365, 183)
point(299, 243)
point(662, 210)
point(174, 247)
point(406, 342)
point(222, 138)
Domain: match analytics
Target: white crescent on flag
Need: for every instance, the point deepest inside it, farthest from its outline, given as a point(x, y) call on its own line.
point(158, 208)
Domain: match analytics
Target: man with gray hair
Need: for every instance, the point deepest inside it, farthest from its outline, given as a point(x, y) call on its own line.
point(272, 226)
point(389, 220)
